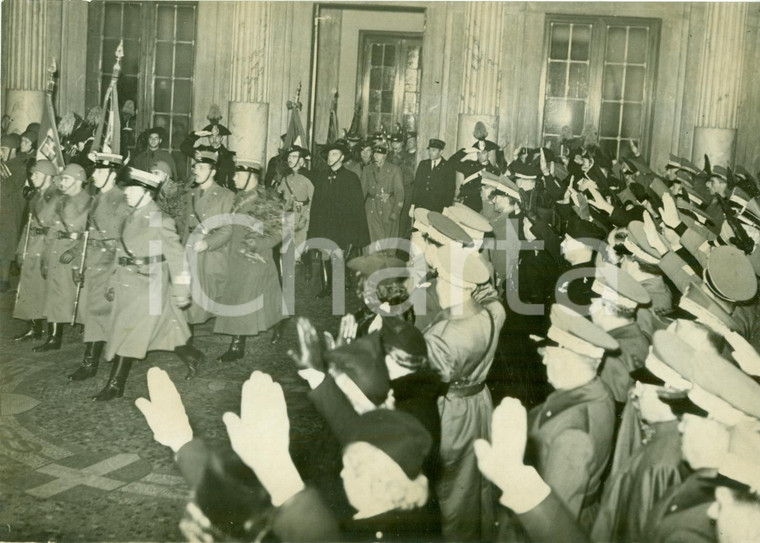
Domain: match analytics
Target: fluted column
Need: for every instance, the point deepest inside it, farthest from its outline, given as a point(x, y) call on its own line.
point(249, 75)
point(720, 83)
point(482, 78)
point(24, 61)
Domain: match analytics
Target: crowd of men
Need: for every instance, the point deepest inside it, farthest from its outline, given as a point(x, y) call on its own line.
point(606, 308)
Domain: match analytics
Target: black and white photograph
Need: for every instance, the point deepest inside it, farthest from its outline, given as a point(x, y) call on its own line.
point(379, 271)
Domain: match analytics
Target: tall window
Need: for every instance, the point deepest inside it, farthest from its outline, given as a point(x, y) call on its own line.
point(600, 74)
point(157, 68)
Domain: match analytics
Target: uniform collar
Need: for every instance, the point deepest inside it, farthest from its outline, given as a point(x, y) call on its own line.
point(561, 400)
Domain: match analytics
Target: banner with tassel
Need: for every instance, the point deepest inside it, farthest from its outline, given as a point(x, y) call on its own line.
point(108, 133)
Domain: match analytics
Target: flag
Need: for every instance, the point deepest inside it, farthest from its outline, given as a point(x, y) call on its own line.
point(49, 147)
point(295, 135)
point(332, 128)
point(354, 129)
point(109, 120)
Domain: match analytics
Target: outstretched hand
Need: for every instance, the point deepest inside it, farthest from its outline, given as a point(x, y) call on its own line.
point(261, 437)
point(310, 348)
point(164, 411)
point(669, 211)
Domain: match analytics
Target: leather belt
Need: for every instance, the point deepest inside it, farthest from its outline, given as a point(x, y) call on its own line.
point(130, 261)
point(70, 235)
point(102, 242)
point(39, 231)
point(464, 391)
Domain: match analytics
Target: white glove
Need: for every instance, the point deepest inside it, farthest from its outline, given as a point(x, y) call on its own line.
point(164, 411)
point(744, 354)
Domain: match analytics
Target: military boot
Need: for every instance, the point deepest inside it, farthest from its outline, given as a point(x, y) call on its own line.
point(192, 358)
point(53, 341)
point(115, 386)
point(89, 366)
point(235, 351)
point(327, 275)
point(33, 331)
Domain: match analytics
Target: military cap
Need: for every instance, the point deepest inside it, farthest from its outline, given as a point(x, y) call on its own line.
point(689, 167)
point(434, 143)
point(353, 138)
point(579, 229)
point(694, 212)
point(420, 221)
point(31, 136)
point(627, 196)
point(380, 148)
point(45, 167)
point(397, 137)
point(378, 136)
point(107, 160)
point(369, 264)
point(746, 208)
point(668, 346)
point(10, 141)
point(729, 274)
point(658, 187)
point(142, 178)
point(470, 220)
point(743, 173)
point(617, 286)
point(637, 164)
point(75, 171)
point(741, 463)
point(682, 177)
point(157, 130)
point(400, 334)
point(523, 170)
point(363, 362)
point(720, 172)
point(205, 156)
point(638, 243)
point(302, 152)
point(502, 184)
point(399, 435)
point(443, 230)
point(410, 135)
point(574, 333)
point(247, 165)
point(161, 166)
point(485, 145)
point(645, 376)
point(35, 127)
point(674, 163)
point(680, 403)
point(706, 310)
point(217, 128)
point(363, 144)
point(462, 267)
point(339, 145)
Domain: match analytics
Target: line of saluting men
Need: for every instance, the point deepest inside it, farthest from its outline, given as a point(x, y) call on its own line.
point(652, 429)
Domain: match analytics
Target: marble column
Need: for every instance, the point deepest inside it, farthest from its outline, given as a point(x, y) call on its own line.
point(482, 78)
point(24, 60)
point(249, 74)
point(719, 88)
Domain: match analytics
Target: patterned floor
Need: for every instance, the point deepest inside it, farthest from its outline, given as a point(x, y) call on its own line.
point(76, 470)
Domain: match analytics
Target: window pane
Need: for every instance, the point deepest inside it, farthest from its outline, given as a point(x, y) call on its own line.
point(375, 78)
point(185, 24)
point(559, 41)
point(112, 20)
point(180, 124)
point(127, 88)
point(374, 101)
point(631, 121)
point(615, 44)
point(164, 53)
point(377, 54)
point(638, 41)
point(132, 21)
point(581, 41)
point(578, 87)
point(560, 113)
point(183, 61)
point(183, 96)
point(610, 120)
point(130, 62)
point(162, 121)
point(165, 23)
point(390, 55)
point(556, 79)
point(387, 105)
point(634, 83)
point(107, 54)
point(389, 79)
point(373, 122)
point(162, 95)
point(610, 147)
point(613, 83)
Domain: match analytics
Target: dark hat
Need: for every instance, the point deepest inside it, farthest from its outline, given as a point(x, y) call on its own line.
point(363, 362)
point(740, 172)
point(729, 274)
point(31, 136)
point(141, 178)
point(397, 137)
point(694, 212)
point(247, 165)
point(399, 435)
point(353, 138)
point(107, 160)
point(161, 166)
point(35, 127)
point(205, 156)
point(579, 229)
point(12, 141)
point(45, 167)
point(303, 152)
point(158, 130)
point(228, 493)
point(720, 172)
point(574, 333)
point(369, 264)
point(400, 334)
point(380, 148)
point(524, 170)
point(617, 286)
point(434, 143)
point(363, 144)
point(339, 144)
point(218, 127)
point(645, 376)
point(680, 403)
point(443, 230)
point(462, 267)
point(485, 145)
point(76, 171)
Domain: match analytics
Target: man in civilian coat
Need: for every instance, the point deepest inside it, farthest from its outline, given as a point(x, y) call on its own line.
point(206, 245)
point(434, 182)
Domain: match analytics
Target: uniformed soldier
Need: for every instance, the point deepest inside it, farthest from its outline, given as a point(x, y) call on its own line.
point(61, 262)
point(215, 132)
point(207, 246)
point(140, 321)
point(471, 163)
point(30, 304)
point(361, 157)
point(461, 343)
point(153, 153)
point(383, 188)
point(578, 249)
point(252, 274)
point(570, 434)
point(434, 181)
point(297, 191)
point(108, 212)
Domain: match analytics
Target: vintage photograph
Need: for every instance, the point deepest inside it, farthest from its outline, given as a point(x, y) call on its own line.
point(367, 271)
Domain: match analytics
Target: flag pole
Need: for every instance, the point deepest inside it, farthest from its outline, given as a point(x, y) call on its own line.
point(119, 54)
